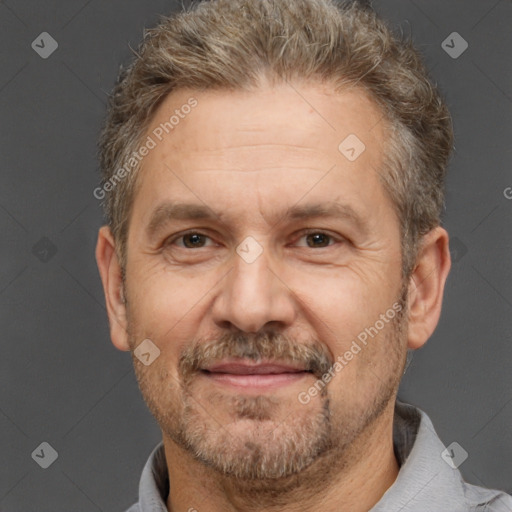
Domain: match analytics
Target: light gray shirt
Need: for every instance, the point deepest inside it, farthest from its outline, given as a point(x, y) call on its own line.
point(427, 481)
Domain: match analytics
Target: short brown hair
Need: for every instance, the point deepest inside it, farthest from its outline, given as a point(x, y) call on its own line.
point(233, 44)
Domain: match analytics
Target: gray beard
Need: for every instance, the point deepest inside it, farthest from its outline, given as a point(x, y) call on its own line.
point(271, 458)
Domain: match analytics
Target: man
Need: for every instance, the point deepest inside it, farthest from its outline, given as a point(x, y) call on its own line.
point(273, 180)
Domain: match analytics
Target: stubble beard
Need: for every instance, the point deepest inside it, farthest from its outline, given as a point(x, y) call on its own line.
point(261, 448)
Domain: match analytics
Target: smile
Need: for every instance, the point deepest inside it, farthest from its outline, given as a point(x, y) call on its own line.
point(248, 375)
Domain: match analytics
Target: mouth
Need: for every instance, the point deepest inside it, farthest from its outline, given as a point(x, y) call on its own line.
point(259, 376)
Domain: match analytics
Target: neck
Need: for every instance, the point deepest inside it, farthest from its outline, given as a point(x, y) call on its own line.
point(352, 481)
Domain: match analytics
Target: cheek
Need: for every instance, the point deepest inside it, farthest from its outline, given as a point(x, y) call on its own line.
point(344, 311)
point(342, 300)
point(164, 307)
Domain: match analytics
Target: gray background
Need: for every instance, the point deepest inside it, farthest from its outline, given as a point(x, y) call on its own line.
point(62, 380)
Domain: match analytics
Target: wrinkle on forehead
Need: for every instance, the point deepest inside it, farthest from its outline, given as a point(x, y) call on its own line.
point(279, 146)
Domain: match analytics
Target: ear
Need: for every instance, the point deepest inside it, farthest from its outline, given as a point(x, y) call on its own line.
point(426, 286)
point(111, 277)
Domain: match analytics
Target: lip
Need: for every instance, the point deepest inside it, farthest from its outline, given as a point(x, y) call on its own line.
point(247, 375)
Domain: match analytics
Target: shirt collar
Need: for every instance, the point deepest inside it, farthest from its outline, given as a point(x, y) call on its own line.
point(425, 480)
point(154, 482)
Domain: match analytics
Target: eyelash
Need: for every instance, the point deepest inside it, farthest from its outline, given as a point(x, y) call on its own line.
point(171, 240)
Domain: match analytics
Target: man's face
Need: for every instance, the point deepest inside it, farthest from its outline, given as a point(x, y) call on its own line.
point(251, 305)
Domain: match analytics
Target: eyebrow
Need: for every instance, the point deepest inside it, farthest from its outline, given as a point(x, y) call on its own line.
point(170, 211)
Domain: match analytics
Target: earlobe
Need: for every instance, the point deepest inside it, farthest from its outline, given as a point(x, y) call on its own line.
point(111, 277)
point(426, 287)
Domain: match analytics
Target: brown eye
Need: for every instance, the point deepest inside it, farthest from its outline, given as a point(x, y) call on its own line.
point(318, 239)
point(191, 240)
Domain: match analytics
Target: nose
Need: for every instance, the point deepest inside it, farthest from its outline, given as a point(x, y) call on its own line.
point(253, 297)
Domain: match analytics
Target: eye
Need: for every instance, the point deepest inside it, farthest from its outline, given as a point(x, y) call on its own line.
point(197, 240)
point(191, 240)
point(317, 239)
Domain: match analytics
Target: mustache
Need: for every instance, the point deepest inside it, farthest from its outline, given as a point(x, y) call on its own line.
point(278, 348)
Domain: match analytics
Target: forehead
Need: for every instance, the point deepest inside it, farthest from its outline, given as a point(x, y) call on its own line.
point(273, 142)
point(308, 117)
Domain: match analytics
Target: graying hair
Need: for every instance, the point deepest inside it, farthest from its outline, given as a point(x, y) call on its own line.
point(235, 44)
